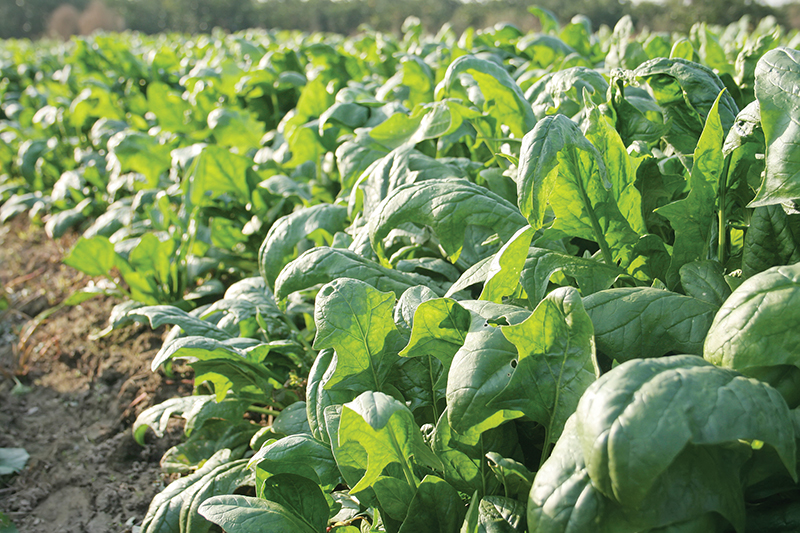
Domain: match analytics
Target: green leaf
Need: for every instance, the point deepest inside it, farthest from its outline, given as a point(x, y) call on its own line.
point(356, 321)
point(394, 495)
point(322, 265)
point(176, 507)
point(385, 428)
point(692, 217)
point(440, 329)
point(497, 514)
point(773, 239)
point(158, 315)
point(777, 74)
point(172, 112)
point(506, 266)
point(12, 460)
point(480, 370)
point(58, 223)
point(403, 166)
point(151, 257)
point(214, 172)
point(686, 92)
point(238, 128)
point(318, 396)
point(515, 477)
point(407, 306)
point(202, 347)
point(435, 508)
point(299, 495)
point(664, 404)
point(559, 168)
point(299, 454)
point(705, 280)
point(245, 514)
point(568, 92)
point(547, 20)
point(95, 256)
point(215, 434)
point(503, 99)
point(642, 322)
point(284, 235)
point(555, 362)
point(447, 206)
point(136, 151)
point(472, 276)
point(292, 420)
point(620, 167)
point(701, 484)
point(157, 416)
point(755, 327)
point(590, 275)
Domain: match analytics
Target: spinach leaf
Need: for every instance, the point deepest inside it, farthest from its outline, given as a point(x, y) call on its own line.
point(693, 417)
point(686, 91)
point(322, 264)
point(777, 73)
point(284, 235)
point(559, 168)
point(755, 327)
point(642, 322)
point(385, 428)
point(590, 275)
point(773, 239)
point(692, 217)
point(447, 206)
point(555, 362)
point(356, 321)
point(302, 455)
point(502, 98)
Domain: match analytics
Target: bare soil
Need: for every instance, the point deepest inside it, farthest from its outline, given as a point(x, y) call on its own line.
point(78, 399)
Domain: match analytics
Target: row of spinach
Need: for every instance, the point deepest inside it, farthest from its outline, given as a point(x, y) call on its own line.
point(495, 282)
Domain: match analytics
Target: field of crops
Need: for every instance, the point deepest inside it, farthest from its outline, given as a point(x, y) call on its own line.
point(489, 282)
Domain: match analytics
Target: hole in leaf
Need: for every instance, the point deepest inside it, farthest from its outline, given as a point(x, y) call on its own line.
point(327, 290)
point(513, 363)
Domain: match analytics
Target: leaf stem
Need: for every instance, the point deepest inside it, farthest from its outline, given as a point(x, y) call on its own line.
point(723, 229)
point(263, 410)
point(598, 232)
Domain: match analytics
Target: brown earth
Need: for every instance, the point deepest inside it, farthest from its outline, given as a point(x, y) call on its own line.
point(78, 399)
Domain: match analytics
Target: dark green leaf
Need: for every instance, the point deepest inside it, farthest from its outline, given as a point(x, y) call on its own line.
point(704, 280)
point(284, 235)
point(686, 92)
point(773, 239)
point(322, 264)
point(447, 206)
point(299, 454)
point(300, 496)
point(591, 275)
point(245, 514)
point(642, 322)
point(435, 508)
point(755, 326)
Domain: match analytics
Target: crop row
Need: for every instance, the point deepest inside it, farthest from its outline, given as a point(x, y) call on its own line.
point(492, 282)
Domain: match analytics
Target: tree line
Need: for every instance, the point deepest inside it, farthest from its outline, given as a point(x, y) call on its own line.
point(61, 18)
